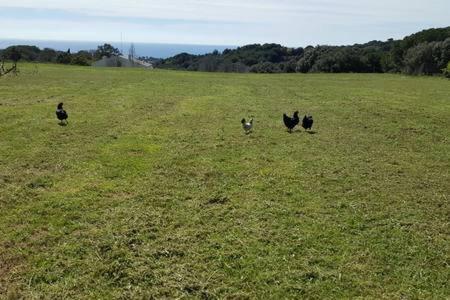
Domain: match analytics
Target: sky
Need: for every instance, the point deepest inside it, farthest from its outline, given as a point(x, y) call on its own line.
point(292, 23)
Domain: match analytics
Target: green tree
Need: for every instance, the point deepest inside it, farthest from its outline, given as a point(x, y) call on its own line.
point(106, 50)
point(12, 53)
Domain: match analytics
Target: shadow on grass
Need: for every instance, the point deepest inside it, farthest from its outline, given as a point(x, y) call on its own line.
point(295, 131)
point(301, 131)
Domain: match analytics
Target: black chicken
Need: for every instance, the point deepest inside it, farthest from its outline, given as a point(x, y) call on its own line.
point(61, 114)
point(307, 122)
point(291, 122)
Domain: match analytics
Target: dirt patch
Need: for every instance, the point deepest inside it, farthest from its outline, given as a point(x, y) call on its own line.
point(7, 265)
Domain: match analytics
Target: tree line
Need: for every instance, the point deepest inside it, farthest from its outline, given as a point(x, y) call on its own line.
point(426, 52)
point(33, 53)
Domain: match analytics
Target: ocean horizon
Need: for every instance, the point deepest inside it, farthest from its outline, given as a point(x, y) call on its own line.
point(156, 50)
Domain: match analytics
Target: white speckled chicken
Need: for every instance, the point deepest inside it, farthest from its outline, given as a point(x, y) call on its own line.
point(247, 125)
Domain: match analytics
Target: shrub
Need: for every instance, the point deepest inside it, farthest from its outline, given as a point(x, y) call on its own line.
point(447, 70)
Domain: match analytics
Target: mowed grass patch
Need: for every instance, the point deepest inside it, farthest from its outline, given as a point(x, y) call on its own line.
point(153, 189)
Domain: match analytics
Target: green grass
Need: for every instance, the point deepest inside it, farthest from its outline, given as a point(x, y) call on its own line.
point(154, 190)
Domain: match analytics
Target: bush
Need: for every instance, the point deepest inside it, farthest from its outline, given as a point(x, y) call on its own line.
point(48, 55)
point(265, 67)
point(447, 70)
point(64, 58)
point(80, 60)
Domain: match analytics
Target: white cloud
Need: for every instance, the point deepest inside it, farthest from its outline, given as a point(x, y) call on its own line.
point(293, 22)
point(250, 10)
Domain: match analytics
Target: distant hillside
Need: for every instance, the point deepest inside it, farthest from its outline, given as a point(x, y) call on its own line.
point(425, 52)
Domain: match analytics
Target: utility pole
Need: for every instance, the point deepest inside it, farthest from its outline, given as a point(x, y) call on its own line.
point(132, 53)
point(121, 43)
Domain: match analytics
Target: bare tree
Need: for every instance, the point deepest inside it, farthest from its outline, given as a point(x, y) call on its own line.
point(12, 54)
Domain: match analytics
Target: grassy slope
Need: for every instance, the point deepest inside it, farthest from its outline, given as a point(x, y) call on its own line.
point(153, 189)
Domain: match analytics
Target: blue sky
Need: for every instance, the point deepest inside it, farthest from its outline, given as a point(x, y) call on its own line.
point(221, 22)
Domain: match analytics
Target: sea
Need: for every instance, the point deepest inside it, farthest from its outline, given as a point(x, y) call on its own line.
point(141, 49)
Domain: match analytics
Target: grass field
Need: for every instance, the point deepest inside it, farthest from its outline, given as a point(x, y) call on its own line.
point(154, 190)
